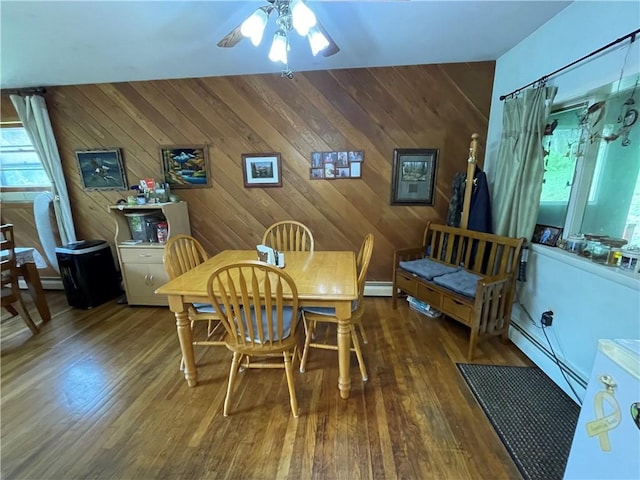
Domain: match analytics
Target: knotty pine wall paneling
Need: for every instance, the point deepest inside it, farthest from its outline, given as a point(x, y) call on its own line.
point(374, 110)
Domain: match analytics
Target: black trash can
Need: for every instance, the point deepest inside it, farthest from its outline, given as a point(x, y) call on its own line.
point(88, 273)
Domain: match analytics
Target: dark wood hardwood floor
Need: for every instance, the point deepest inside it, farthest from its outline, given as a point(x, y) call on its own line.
point(98, 394)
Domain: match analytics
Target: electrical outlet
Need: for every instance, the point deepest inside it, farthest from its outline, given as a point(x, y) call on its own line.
point(547, 318)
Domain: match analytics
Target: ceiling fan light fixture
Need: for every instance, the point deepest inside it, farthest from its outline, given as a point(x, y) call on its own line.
point(317, 41)
point(302, 17)
point(278, 52)
point(253, 27)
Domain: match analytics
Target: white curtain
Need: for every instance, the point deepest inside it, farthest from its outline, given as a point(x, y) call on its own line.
point(520, 164)
point(33, 114)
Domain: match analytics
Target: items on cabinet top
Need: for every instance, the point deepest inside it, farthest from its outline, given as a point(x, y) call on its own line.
point(150, 224)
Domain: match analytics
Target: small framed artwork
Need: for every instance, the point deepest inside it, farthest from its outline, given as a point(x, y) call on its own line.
point(101, 169)
point(342, 160)
point(546, 235)
point(355, 170)
point(316, 173)
point(262, 170)
point(329, 170)
point(316, 160)
point(356, 156)
point(185, 167)
point(413, 176)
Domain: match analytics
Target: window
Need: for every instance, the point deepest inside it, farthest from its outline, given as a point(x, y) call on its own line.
point(20, 165)
point(592, 165)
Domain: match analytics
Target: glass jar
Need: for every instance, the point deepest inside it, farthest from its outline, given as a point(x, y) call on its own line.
point(614, 257)
point(575, 244)
point(600, 252)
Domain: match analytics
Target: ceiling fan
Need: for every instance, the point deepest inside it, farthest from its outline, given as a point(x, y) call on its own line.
point(290, 15)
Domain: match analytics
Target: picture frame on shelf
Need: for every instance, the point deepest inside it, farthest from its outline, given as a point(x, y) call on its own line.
point(262, 170)
point(413, 176)
point(185, 166)
point(101, 169)
point(546, 235)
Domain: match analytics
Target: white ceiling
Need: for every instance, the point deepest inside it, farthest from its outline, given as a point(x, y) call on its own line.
point(45, 43)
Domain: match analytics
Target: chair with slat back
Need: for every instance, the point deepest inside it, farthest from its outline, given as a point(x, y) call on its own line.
point(11, 297)
point(181, 254)
point(289, 235)
point(314, 315)
point(258, 305)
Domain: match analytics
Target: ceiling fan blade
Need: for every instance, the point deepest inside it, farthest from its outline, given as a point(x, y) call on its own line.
point(235, 35)
point(232, 38)
point(333, 48)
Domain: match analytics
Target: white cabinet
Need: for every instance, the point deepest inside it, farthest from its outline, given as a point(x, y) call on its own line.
point(141, 263)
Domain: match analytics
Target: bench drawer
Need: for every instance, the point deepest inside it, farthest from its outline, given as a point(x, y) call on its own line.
point(457, 310)
point(407, 284)
point(429, 295)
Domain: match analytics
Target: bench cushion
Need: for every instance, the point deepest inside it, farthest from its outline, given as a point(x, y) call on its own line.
point(427, 268)
point(462, 282)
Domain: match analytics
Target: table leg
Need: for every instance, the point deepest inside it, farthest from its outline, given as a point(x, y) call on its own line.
point(29, 272)
point(343, 313)
point(183, 327)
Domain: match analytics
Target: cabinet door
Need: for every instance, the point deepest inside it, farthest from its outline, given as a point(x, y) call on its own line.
point(142, 280)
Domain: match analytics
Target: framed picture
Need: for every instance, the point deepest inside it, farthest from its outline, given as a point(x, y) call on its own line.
point(185, 167)
point(261, 170)
point(336, 165)
point(329, 170)
point(101, 169)
point(354, 170)
point(316, 173)
point(413, 176)
point(546, 235)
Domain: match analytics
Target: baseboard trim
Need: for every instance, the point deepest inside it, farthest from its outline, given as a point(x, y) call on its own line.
point(371, 289)
point(542, 356)
point(378, 289)
point(48, 283)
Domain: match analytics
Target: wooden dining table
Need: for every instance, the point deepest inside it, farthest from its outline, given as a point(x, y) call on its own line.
point(323, 279)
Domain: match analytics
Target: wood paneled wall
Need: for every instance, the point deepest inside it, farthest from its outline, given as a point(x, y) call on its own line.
point(374, 110)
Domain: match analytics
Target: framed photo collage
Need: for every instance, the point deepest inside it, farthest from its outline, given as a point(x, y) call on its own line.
point(336, 165)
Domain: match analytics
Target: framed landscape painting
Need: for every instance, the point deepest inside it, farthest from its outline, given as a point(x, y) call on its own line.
point(261, 170)
point(185, 167)
point(413, 176)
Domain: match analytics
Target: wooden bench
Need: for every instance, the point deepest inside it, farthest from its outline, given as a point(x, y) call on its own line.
point(494, 258)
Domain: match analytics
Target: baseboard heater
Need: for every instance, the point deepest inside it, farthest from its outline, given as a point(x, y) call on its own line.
point(575, 376)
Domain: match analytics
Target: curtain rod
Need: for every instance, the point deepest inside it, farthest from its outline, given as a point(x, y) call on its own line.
point(24, 91)
point(631, 35)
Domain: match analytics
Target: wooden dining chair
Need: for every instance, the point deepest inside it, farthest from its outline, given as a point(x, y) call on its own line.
point(289, 235)
point(181, 254)
point(258, 305)
point(312, 316)
point(10, 292)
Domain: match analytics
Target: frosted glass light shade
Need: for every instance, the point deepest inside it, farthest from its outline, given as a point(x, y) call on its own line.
point(303, 18)
point(253, 27)
point(278, 52)
point(317, 41)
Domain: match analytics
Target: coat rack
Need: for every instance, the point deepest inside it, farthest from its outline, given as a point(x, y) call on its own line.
point(471, 172)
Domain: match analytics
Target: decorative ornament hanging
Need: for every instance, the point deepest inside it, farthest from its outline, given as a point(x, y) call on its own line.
point(627, 120)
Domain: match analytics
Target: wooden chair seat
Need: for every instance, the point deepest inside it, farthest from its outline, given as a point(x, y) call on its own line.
point(258, 306)
point(313, 315)
point(9, 290)
point(181, 254)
